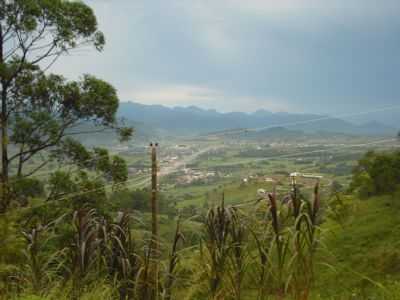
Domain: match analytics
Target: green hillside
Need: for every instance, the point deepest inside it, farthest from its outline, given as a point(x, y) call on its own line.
point(362, 254)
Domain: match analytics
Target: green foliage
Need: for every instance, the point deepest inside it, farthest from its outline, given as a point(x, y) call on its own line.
point(11, 245)
point(376, 174)
point(41, 111)
point(217, 244)
point(125, 133)
point(76, 152)
point(339, 208)
point(91, 193)
point(265, 251)
point(112, 168)
point(100, 290)
point(26, 188)
point(40, 268)
point(83, 247)
point(97, 100)
point(362, 253)
point(118, 169)
point(73, 191)
point(48, 108)
point(139, 200)
point(69, 22)
point(262, 255)
point(74, 254)
point(61, 183)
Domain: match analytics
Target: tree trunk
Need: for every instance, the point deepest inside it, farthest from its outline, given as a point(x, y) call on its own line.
point(20, 163)
point(4, 133)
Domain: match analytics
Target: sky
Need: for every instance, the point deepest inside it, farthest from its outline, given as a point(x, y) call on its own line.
point(314, 56)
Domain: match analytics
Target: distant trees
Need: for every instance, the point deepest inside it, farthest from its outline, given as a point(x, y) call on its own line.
point(39, 110)
point(139, 200)
point(377, 174)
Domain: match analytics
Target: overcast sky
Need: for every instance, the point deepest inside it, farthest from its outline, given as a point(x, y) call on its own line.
point(325, 56)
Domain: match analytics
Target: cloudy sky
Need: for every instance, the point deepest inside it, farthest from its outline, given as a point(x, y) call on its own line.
point(324, 56)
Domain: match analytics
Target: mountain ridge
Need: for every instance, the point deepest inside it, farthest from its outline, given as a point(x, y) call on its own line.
point(194, 120)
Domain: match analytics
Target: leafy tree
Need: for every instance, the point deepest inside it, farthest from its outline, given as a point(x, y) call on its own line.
point(336, 187)
point(40, 110)
point(118, 169)
point(128, 200)
point(77, 191)
point(376, 174)
point(26, 188)
point(61, 183)
point(113, 168)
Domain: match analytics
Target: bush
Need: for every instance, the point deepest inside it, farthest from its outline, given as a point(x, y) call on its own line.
point(26, 188)
point(376, 174)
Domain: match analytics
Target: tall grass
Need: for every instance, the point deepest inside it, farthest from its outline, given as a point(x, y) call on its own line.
point(172, 263)
point(238, 254)
point(273, 252)
point(217, 247)
point(40, 269)
point(263, 253)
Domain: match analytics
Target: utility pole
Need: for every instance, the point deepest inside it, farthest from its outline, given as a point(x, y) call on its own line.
point(154, 245)
point(154, 195)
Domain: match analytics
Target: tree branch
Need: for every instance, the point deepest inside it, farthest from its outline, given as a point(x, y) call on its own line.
point(50, 142)
point(42, 165)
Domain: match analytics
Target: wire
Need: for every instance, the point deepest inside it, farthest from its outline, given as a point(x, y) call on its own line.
point(312, 152)
point(40, 174)
point(338, 116)
point(253, 130)
point(251, 202)
point(325, 150)
point(76, 194)
point(71, 195)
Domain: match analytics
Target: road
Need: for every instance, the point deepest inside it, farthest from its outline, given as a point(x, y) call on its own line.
point(172, 168)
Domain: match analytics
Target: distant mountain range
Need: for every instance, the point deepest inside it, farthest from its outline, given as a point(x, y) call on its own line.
point(193, 120)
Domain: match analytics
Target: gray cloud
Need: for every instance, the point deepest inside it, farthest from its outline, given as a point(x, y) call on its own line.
point(296, 55)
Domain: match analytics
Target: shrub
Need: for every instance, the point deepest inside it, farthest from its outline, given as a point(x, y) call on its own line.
point(376, 174)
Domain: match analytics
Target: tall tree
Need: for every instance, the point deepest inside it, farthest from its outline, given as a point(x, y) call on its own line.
point(39, 110)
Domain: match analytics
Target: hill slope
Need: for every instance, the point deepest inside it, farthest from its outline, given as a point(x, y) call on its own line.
point(363, 255)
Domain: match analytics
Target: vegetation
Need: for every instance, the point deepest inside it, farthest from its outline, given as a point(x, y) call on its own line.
point(78, 249)
point(40, 110)
point(377, 174)
point(261, 249)
point(81, 232)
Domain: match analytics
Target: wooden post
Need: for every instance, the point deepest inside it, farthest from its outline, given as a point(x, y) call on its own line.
point(154, 195)
point(154, 218)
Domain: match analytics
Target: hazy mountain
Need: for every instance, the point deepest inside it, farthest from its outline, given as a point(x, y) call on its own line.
point(194, 120)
